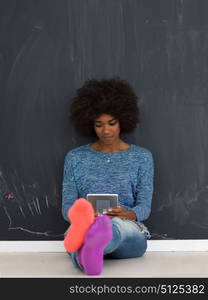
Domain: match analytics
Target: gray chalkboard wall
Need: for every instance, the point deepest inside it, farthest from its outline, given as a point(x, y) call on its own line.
point(48, 49)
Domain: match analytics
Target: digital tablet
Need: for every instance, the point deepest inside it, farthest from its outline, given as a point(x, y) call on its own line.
point(102, 202)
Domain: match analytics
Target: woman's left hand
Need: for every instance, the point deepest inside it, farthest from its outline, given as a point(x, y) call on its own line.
point(121, 213)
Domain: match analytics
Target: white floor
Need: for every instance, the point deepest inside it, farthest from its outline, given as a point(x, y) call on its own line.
point(152, 265)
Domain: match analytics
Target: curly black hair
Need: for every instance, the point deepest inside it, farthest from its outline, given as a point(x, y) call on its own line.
point(105, 96)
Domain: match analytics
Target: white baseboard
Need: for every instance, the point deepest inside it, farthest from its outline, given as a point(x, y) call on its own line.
point(57, 246)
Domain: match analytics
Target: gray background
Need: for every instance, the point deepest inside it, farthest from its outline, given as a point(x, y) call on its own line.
point(48, 49)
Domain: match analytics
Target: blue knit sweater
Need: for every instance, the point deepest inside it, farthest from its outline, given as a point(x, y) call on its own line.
point(128, 173)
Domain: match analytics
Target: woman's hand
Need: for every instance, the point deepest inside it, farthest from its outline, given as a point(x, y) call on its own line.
point(121, 213)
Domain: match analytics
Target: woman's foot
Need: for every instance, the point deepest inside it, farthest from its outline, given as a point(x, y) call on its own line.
point(81, 216)
point(97, 237)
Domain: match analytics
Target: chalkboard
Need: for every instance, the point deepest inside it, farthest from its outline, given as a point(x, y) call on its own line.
point(48, 49)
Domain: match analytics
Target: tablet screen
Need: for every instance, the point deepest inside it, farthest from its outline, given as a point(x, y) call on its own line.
point(102, 202)
point(102, 205)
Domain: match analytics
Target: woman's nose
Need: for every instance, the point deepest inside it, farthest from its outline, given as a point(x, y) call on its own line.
point(106, 128)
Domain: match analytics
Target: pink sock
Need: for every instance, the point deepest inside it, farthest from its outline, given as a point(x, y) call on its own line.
point(81, 216)
point(97, 237)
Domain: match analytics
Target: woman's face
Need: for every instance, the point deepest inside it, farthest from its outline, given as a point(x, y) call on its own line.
point(107, 128)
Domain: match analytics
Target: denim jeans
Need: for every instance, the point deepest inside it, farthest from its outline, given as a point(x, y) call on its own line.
point(129, 240)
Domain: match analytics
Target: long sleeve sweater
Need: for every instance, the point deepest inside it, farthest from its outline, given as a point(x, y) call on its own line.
point(128, 173)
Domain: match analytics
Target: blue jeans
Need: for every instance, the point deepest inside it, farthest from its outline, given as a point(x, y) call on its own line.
point(129, 240)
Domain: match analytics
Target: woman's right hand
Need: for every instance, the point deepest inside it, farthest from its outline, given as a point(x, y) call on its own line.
point(122, 213)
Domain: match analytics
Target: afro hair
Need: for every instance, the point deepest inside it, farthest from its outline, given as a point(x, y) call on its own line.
point(105, 96)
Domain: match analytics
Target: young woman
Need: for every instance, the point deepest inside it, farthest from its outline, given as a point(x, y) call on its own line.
point(104, 109)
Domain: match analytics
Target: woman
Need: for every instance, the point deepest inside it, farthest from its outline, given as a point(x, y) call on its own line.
point(105, 109)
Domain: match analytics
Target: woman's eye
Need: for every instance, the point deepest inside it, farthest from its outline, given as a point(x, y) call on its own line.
point(111, 124)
